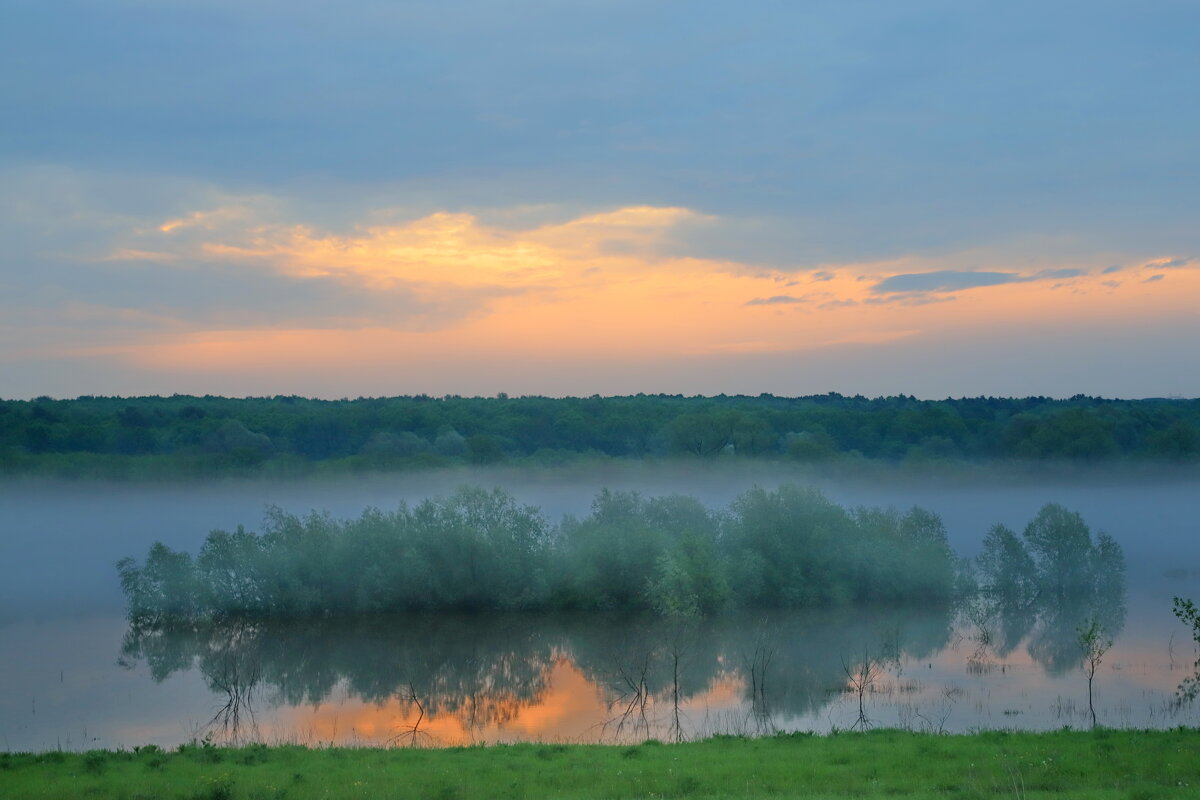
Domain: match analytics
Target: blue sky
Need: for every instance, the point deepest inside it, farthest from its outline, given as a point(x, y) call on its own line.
point(971, 172)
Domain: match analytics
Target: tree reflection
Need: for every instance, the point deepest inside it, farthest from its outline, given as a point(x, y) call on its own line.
point(1046, 585)
point(485, 670)
point(479, 671)
point(235, 677)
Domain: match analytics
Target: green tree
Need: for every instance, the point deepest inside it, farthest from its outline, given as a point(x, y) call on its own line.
point(165, 587)
point(753, 436)
point(1178, 442)
point(484, 449)
point(1093, 645)
point(1060, 545)
point(1188, 614)
point(1008, 571)
point(689, 579)
point(703, 434)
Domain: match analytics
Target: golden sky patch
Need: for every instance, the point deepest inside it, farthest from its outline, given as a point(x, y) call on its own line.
point(455, 249)
point(610, 285)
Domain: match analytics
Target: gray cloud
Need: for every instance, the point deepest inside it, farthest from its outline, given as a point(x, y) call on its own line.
point(1172, 264)
point(1112, 269)
point(1154, 278)
point(1056, 274)
point(779, 299)
point(954, 280)
point(943, 281)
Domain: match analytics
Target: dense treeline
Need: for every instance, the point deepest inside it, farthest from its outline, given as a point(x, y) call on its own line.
point(199, 435)
point(480, 550)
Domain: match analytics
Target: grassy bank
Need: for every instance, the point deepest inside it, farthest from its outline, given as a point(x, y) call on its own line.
point(1100, 764)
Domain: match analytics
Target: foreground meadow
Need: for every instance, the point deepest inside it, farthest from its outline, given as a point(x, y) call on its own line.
point(884, 763)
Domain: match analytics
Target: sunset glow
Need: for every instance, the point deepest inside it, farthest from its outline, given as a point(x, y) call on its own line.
point(787, 209)
point(604, 286)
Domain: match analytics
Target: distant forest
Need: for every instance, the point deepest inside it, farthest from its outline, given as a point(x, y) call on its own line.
point(187, 435)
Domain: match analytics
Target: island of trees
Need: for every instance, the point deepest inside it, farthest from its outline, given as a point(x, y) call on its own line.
point(480, 550)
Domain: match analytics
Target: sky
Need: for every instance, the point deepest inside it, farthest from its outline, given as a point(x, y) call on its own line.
point(935, 197)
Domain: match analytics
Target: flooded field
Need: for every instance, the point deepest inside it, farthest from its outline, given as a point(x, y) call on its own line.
point(74, 676)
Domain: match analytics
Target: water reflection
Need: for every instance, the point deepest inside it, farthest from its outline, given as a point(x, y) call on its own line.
point(648, 676)
point(444, 679)
point(1049, 585)
point(480, 671)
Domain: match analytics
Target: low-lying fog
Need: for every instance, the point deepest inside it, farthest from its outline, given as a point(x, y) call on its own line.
point(59, 541)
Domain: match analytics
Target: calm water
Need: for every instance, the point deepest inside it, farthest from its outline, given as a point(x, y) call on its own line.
point(72, 676)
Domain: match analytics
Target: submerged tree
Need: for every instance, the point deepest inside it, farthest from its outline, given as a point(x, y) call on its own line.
point(1188, 614)
point(1093, 644)
point(863, 673)
point(1051, 582)
point(1010, 574)
point(163, 588)
point(482, 551)
point(689, 580)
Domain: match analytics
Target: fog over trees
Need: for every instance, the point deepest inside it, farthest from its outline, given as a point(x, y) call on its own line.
point(479, 550)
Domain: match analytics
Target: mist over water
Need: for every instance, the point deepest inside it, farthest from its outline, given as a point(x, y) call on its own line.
point(59, 540)
point(61, 610)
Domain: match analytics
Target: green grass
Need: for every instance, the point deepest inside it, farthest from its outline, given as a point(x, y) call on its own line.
point(1130, 765)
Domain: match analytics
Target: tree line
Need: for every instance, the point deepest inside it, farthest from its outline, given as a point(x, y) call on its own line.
point(216, 435)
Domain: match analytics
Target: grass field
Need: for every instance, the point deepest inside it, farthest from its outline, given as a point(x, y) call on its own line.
point(1130, 765)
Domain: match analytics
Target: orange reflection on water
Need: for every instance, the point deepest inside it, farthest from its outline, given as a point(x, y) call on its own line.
point(571, 708)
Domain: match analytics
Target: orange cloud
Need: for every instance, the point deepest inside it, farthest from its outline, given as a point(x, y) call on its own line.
point(446, 249)
point(609, 285)
point(218, 218)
